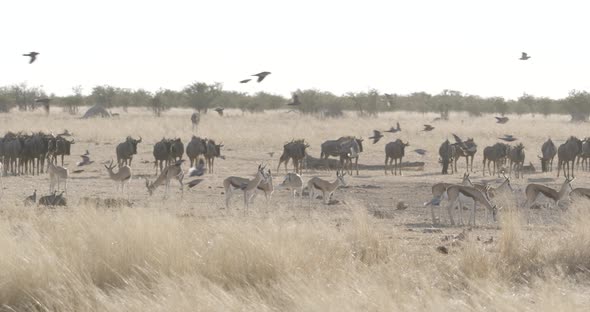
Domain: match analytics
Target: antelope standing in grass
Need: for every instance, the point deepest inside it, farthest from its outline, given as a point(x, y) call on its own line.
point(548, 151)
point(57, 174)
point(248, 186)
point(566, 153)
point(454, 192)
point(123, 175)
point(173, 171)
point(439, 192)
point(266, 187)
point(294, 183)
point(326, 187)
point(533, 190)
point(394, 151)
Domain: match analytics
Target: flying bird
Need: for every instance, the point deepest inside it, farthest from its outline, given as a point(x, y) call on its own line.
point(524, 56)
point(85, 160)
point(219, 110)
point(32, 55)
point(194, 183)
point(420, 151)
point(67, 133)
point(394, 130)
point(443, 250)
point(508, 138)
point(428, 128)
point(198, 171)
point(376, 136)
point(271, 154)
point(78, 171)
point(261, 75)
point(295, 100)
point(245, 80)
point(43, 100)
point(502, 120)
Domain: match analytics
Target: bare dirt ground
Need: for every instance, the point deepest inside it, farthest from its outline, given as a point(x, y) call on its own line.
point(248, 138)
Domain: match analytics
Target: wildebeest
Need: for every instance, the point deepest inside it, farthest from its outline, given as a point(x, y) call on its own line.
point(566, 153)
point(212, 150)
point(162, 154)
point(584, 155)
point(195, 148)
point(126, 150)
point(176, 149)
point(447, 153)
point(60, 146)
point(294, 150)
point(394, 151)
point(350, 150)
point(497, 154)
point(195, 119)
point(13, 147)
point(548, 150)
point(516, 157)
point(340, 148)
point(466, 149)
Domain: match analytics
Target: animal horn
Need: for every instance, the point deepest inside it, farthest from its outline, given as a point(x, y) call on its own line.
point(140, 139)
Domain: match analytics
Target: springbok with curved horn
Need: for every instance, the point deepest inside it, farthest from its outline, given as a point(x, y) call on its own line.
point(454, 191)
point(294, 183)
point(326, 187)
point(248, 186)
point(533, 190)
point(173, 171)
point(123, 175)
point(56, 175)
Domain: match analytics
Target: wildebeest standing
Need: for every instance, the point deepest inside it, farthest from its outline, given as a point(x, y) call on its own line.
point(59, 146)
point(496, 154)
point(195, 148)
point(516, 157)
point(294, 150)
point(13, 147)
point(584, 155)
point(466, 149)
point(394, 151)
point(126, 150)
point(350, 149)
point(212, 150)
point(566, 153)
point(447, 153)
point(548, 150)
point(176, 149)
point(162, 154)
point(195, 119)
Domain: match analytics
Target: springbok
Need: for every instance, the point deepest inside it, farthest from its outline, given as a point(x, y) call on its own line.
point(326, 187)
point(56, 175)
point(454, 191)
point(294, 183)
point(123, 175)
point(266, 187)
point(533, 190)
point(248, 186)
point(439, 192)
point(173, 171)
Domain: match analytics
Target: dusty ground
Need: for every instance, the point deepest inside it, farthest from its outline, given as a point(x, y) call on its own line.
point(247, 140)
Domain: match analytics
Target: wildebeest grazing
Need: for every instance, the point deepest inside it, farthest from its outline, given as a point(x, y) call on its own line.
point(126, 150)
point(393, 151)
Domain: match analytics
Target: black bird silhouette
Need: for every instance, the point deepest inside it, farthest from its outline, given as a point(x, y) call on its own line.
point(524, 56)
point(271, 154)
point(420, 151)
point(394, 130)
point(428, 128)
point(508, 138)
point(376, 136)
point(219, 110)
point(194, 183)
point(261, 75)
point(245, 80)
point(443, 250)
point(295, 100)
point(32, 55)
point(502, 120)
point(43, 100)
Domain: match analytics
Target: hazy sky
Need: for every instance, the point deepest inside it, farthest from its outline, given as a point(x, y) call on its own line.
point(338, 46)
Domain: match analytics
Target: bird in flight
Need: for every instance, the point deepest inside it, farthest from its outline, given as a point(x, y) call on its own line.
point(428, 128)
point(420, 151)
point(394, 130)
point(271, 154)
point(508, 138)
point(524, 56)
point(85, 160)
point(376, 136)
point(502, 120)
point(219, 110)
point(32, 55)
point(261, 75)
point(295, 100)
point(194, 182)
point(198, 171)
point(245, 80)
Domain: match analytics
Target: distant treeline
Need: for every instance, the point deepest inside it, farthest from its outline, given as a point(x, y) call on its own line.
point(202, 96)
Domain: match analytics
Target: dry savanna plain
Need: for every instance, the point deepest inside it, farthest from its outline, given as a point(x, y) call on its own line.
point(363, 253)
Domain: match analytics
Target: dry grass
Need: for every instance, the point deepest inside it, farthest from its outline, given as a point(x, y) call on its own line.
point(187, 254)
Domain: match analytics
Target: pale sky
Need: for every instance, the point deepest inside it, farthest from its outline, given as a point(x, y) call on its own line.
point(337, 46)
